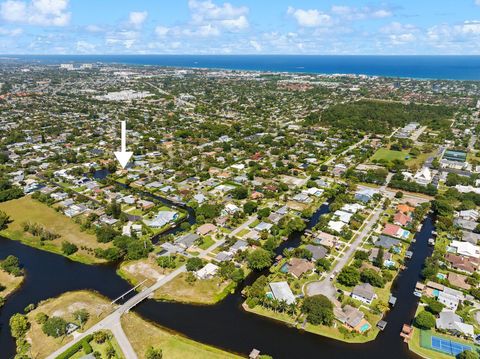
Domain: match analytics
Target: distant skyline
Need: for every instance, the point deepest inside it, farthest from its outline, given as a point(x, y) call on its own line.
point(215, 27)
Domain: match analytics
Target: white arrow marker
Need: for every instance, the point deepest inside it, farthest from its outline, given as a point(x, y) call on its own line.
point(123, 157)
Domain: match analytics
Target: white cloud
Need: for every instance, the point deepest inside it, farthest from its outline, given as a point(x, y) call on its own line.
point(207, 10)
point(36, 12)
point(235, 24)
point(10, 32)
point(256, 45)
point(353, 13)
point(206, 13)
point(137, 18)
point(94, 28)
point(162, 31)
point(85, 47)
point(477, 2)
point(125, 38)
point(310, 18)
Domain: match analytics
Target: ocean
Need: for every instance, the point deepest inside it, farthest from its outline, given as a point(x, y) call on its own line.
point(418, 67)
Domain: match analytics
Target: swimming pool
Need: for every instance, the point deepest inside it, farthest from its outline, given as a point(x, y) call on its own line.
point(364, 328)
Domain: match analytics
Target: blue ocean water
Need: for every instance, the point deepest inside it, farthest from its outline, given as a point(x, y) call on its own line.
point(425, 67)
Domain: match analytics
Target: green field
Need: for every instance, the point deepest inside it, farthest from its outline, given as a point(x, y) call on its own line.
point(143, 334)
point(26, 209)
point(388, 155)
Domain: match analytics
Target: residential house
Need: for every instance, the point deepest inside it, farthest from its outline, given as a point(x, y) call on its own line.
point(364, 292)
point(299, 266)
point(466, 249)
point(352, 318)
point(162, 219)
point(281, 291)
point(387, 242)
point(453, 323)
point(206, 228)
point(460, 263)
point(458, 280)
point(188, 240)
point(207, 272)
point(401, 219)
point(318, 252)
point(393, 230)
point(365, 195)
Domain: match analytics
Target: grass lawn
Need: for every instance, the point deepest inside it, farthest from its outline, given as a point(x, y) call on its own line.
point(415, 345)
point(264, 312)
point(242, 232)
point(419, 160)
point(330, 332)
point(10, 282)
point(204, 291)
point(143, 334)
point(101, 348)
point(136, 272)
point(26, 209)
point(207, 243)
point(388, 155)
point(64, 306)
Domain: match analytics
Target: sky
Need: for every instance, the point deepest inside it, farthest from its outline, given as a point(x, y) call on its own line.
point(397, 27)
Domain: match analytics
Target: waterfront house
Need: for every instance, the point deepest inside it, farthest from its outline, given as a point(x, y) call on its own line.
point(318, 252)
point(453, 323)
point(207, 272)
point(162, 219)
point(364, 292)
point(401, 219)
point(281, 291)
point(299, 266)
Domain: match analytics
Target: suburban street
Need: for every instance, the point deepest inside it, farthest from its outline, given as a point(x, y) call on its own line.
point(325, 286)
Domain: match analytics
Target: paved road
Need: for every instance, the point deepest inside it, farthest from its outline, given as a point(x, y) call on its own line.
point(326, 286)
point(330, 160)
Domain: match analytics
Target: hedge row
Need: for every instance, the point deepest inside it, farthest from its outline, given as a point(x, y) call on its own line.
point(84, 343)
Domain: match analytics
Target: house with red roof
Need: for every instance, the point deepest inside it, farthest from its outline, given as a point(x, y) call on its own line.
point(402, 219)
point(396, 231)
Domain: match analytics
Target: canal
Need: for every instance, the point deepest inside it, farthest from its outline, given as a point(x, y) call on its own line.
point(225, 324)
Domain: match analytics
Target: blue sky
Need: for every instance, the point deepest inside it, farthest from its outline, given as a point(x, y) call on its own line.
point(239, 27)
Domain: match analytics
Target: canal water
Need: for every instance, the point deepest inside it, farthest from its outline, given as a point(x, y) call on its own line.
point(225, 324)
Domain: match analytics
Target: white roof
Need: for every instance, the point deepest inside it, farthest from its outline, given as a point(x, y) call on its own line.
point(343, 216)
point(208, 270)
point(424, 174)
point(336, 225)
point(466, 249)
point(282, 292)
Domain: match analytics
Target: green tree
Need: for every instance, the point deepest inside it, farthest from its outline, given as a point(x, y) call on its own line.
point(239, 192)
point(82, 316)
point(153, 353)
point(259, 259)
point(4, 220)
point(19, 325)
point(425, 320)
point(319, 310)
point(193, 264)
point(434, 306)
point(250, 207)
point(11, 264)
point(348, 276)
point(467, 354)
point(69, 248)
point(55, 327)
